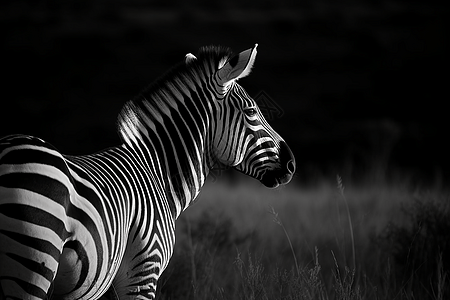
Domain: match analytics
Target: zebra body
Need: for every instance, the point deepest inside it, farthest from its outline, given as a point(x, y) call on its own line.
point(83, 227)
point(67, 201)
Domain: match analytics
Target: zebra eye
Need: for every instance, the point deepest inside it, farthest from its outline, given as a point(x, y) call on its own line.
point(250, 112)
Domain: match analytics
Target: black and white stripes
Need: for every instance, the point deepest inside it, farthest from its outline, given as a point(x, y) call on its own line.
point(79, 227)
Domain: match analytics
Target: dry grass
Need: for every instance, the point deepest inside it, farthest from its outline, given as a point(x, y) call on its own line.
point(242, 241)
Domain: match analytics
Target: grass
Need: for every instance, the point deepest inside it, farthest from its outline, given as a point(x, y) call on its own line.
point(242, 241)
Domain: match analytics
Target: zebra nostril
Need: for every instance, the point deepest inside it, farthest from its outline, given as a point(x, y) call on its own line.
point(286, 155)
point(291, 166)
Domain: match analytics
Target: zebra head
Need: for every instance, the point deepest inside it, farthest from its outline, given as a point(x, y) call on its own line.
point(241, 137)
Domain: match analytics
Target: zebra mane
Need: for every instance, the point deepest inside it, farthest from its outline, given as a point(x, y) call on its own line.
point(209, 59)
point(156, 96)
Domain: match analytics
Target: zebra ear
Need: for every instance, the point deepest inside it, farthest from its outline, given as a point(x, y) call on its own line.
point(238, 66)
point(189, 58)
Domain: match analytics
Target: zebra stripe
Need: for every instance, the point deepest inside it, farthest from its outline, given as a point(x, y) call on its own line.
point(79, 227)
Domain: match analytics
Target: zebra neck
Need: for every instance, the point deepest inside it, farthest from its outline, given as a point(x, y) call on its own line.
point(170, 135)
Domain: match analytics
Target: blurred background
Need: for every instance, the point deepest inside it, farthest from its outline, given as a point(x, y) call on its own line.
point(356, 88)
point(361, 84)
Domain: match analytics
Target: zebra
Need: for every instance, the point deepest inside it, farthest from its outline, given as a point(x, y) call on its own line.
point(102, 226)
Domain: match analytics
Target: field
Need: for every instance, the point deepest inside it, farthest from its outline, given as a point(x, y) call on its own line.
point(330, 240)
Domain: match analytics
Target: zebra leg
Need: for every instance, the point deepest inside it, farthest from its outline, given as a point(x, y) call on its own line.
point(137, 276)
point(134, 285)
point(25, 272)
point(29, 250)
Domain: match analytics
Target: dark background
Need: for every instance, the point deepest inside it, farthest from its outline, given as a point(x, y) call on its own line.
point(362, 84)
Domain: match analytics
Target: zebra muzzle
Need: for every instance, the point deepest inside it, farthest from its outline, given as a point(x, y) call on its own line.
point(283, 174)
